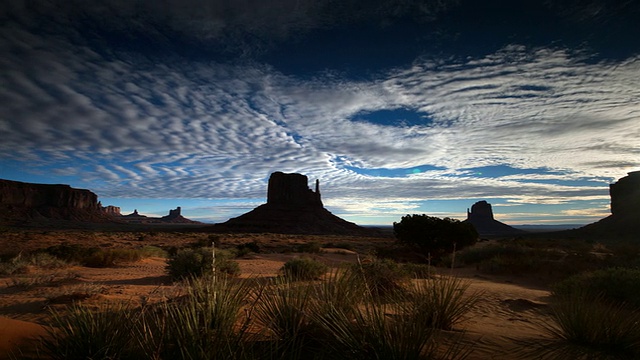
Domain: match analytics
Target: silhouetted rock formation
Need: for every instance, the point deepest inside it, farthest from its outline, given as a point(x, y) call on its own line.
point(174, 217)
point(624, 221)
point(481, 216)
point(625, 195)
point(20, 201)
point(292, 208)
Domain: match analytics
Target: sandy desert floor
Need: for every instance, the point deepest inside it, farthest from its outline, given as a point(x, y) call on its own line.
point(509, 311)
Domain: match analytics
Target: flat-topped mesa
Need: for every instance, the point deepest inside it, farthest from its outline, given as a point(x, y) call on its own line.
point(481, 216)
point(292, 190)
point(481, 211)
point(625, 195)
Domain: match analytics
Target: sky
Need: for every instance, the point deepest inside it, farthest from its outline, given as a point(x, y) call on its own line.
point(397, 106)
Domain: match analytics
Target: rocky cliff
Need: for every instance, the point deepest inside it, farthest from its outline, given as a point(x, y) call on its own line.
point(292, 208)
point(481, 216)
point(25, 201)
point(625, 195)
point(624, 221)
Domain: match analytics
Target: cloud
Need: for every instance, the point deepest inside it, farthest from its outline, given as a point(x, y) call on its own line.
point(148, 127)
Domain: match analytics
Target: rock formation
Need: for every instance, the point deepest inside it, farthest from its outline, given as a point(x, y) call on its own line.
point(174, 217)
point(625, 195)
point(20, 201)
point(624, 221)
point(111, 210)
point(481, 216)
point(292, 208)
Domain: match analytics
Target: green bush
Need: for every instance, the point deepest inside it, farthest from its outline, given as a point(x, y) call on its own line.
point(619, 285)
point(197, 262)
point(303, 269)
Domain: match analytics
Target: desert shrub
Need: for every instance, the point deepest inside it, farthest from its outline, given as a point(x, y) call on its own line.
point(246, 248)
point(311, 247)
point(619, 285)
point(417, 271)
point(585, 326)
point(206, 242)
point(21, 264)
point(86, 334)
point(381, 278)
point(434, 236)
point(71, 253)
point(153, 251)
point(340, 245)
point(111, 257)
point(196, 262)
point(303, 269)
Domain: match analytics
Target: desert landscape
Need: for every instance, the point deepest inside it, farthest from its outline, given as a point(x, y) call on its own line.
point(290, 280)
point(512, 302)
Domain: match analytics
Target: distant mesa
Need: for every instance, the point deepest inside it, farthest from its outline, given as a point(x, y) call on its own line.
point(29, 204)
point(481, 216)
point(292, 208)
point(624, 221)
point(174, 217)
point(22, 202)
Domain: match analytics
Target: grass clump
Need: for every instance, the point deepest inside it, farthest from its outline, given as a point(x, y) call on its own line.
point(303, 269)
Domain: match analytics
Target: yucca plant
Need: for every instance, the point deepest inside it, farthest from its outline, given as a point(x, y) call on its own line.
point(89, 334)
point(384, 331)
point(585, 326)
point(282, 308)
point(441, 301)
point(202, 325)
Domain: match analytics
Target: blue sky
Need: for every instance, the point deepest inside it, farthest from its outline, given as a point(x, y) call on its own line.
point(397, 107)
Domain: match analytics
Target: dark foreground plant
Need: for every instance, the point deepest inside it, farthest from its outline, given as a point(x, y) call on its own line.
point(200, 325)
point(89, 334)
point(441, 302)
point(585, 326)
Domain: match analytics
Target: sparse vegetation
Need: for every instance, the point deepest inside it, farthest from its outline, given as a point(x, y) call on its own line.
point(616, 285)
point(335, 318)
